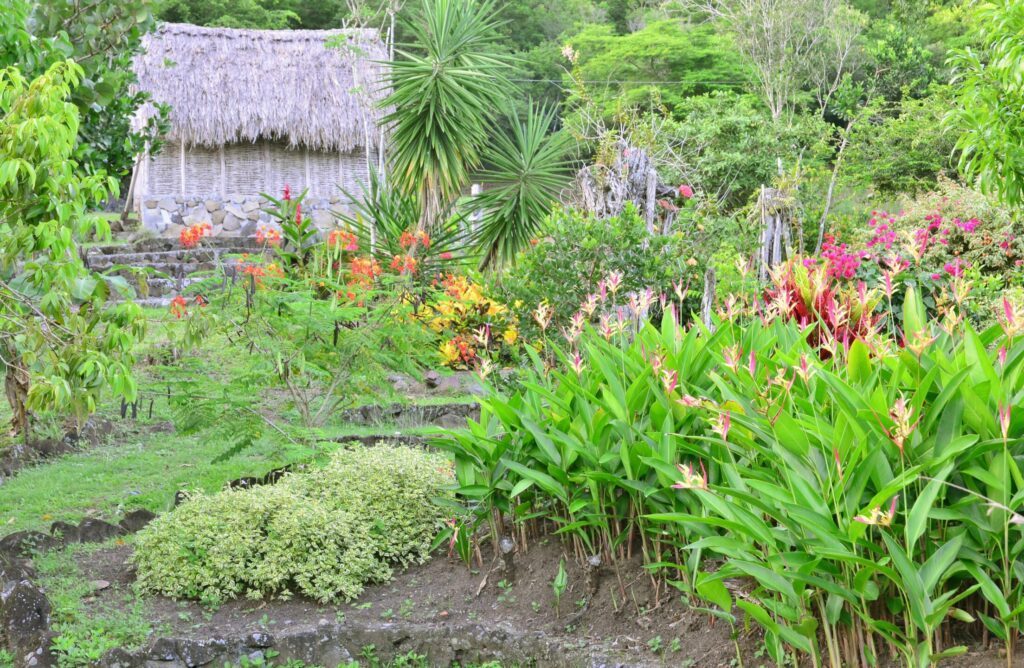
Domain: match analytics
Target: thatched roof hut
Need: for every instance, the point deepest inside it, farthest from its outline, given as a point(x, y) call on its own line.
point(252, 110)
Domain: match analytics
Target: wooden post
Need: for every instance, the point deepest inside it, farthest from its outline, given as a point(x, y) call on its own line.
point(707, 302)
point(223, 173)
point(182, 165)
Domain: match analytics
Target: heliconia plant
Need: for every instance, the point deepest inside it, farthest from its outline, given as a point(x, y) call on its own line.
point(868, 496)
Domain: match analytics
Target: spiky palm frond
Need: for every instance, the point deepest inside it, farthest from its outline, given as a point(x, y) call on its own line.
point(529, 167)
point(445, 91)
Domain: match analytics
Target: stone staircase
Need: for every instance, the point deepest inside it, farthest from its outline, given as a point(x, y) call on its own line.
point(174, 267)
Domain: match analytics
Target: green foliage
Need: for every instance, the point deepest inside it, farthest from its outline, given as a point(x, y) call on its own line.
point(863, 492)
point(525, 175)
point(990, 94)
point(445, 93)
point(102, 38)
point(62, 341)
point(325, 533)
point(575, 251)
point(899, 150)
point(660, 65)
point(729, 146)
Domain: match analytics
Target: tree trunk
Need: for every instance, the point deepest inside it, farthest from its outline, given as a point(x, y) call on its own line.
point(16, 380)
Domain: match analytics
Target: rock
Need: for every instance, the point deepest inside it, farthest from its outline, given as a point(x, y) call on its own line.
point(16, 570)
point(212, 205)
point(40, 654)
point(97, 531)
point(250, 205)
point(248, 229)
point(118, 658)
point(153, 219)
point(197, 218)
point(150, 203)
point(253, 215)
point(402, 384)
point(259, 640)
point(431, 379)
point(172, 231)
point(323, 219)
point(64, 531)
point(235, 211)
point(232, 222)
point(162, 649)
point(200, 652)
point(99, 585)
point(24, 614)
point(217, 217)
point(137, 519)
point(24, 543)
point(168, 204)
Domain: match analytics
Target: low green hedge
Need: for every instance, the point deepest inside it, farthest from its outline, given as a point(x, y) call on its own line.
point(325, 533)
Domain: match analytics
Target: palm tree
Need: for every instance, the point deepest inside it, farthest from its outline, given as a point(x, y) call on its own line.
point(527, 170)
point(445, 93)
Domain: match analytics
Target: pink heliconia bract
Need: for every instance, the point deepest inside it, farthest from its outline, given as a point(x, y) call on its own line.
point(669, 380)
point(723, 424)
point(692, 479)
point(287, 193)
point(577, 363)
point(878, 517)
point(752, 364)
point(1002, 356)
point(1004, 420)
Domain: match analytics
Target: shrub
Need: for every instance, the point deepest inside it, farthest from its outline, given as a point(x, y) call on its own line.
point(325, 533)
point(576, 250)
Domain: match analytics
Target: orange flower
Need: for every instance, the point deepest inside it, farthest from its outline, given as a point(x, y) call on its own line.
point(268, 235)
point(192, 235)
point(404, 264)
point(409, 239)
point(346, 240)
point(179, 307)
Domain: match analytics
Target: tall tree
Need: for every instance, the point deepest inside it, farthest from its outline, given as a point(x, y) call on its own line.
point(990, 100)
point(795, 46)
point(447, 88)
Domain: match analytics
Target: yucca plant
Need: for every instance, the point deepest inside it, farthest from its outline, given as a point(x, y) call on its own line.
point(446, 90)
point(527, 170)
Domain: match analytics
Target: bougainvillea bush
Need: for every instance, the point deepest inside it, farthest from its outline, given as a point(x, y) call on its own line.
point(865, 501)
point(324, 534)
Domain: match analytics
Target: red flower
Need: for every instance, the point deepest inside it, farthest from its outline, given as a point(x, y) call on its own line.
point(287, 193)
point(298, 213)
point(685, 191)
point(347, 240)
point(179, 307)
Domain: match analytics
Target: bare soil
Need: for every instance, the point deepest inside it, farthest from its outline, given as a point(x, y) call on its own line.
point(626, 618)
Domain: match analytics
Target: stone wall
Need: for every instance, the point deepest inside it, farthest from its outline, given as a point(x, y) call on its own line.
point(230, 216)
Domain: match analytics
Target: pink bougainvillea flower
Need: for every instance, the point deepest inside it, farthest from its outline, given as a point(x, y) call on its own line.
point(879, 517)
point(685, 191)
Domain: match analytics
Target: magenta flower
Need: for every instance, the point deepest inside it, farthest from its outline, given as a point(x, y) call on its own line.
point(685, 191)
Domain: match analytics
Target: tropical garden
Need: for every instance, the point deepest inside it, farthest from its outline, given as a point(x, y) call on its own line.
point(722, 365)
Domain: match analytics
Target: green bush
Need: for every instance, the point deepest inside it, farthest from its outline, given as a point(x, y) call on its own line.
point(324, 534)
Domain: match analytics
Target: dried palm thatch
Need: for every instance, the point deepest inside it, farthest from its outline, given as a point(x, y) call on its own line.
point(227, 85)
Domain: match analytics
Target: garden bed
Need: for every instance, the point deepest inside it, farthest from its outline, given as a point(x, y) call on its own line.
point(439, 609)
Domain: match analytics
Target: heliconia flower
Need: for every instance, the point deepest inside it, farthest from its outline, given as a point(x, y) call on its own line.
point(604, 326)
point(679, 289)
point(602, 290)
point(486, 367)
point(752, 364)
point(1004, 420)
point(645, 299)
point(689, 401)
point(454, 525)
point(921, 342)
point(543, 314)
point(692, 479)
point(669, 380)
point(722, 423)
point(901, 414)
point(685, 191)
point(589, 305)
point(1002, 355)
point(614, 281)
point(839, 464)
point(1013, 317)
point(577, 363)
point(482, 335)
point(287, 193)
point(879, 517)
point(731, 357)
point(657, 362)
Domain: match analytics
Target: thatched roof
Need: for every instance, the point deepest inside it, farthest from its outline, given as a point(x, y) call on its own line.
point(226, 85)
